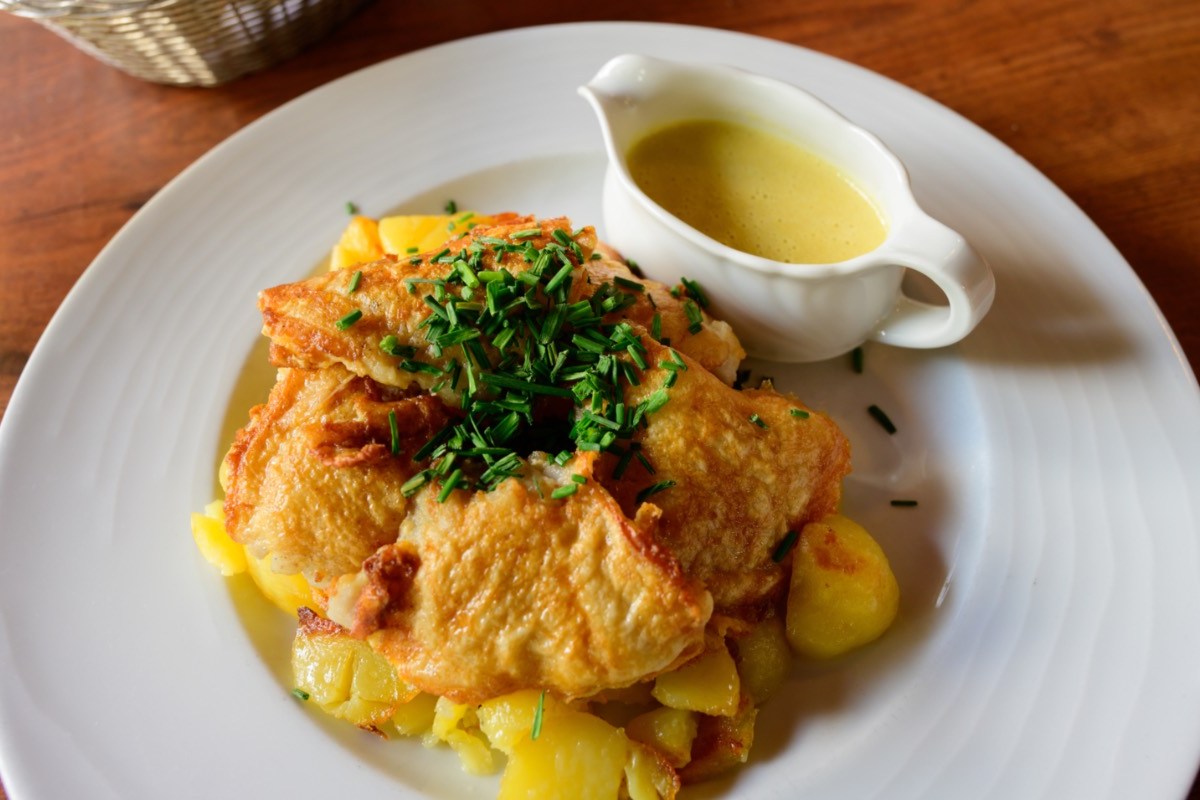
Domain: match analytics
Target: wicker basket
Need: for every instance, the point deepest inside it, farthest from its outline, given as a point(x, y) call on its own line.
point(188, 42)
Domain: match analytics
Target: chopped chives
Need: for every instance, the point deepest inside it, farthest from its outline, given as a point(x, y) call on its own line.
point(657, 399)
point(528, 233)
point(348, 320)
point(451, 207)
point(625, 283)
point(757, 420)
point(564, 491)
point(538, 714)
point(653, 489)
point(394, 428)
point(579, 479)
point(411, 250)
point(693, 289)
point(882, 418)
point(451, 483)
point(695, 318)
point(656, 327)
point(300, 694)
point(904, 503)
point(785, 546)
point(351, 209)
point(799, 413)
point(355, 279)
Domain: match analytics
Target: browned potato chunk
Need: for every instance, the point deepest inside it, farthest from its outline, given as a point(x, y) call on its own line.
point(722, 743)
point(708, 684)
point(669, 731)
point(843, 593)
point(763, 659)
point(648, 776)
point(343, 675)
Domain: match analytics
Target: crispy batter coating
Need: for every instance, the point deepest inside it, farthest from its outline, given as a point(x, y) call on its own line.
point(301, 318)
point(740, 487)
point(492, 592)
point(311, 479)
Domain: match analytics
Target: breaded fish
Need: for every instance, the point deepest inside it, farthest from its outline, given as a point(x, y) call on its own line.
point(748, 466)
point(490, 592)
point(302, 319)
point(312, 479)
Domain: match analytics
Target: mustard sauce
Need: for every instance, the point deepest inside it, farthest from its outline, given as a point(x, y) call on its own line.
point(756, 192)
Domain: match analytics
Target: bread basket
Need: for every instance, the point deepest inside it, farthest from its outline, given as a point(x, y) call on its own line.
point(188, 42)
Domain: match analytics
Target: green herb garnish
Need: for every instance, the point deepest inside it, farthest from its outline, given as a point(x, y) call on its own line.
point(351, 209)
point(799, 413)
point(348, 320)
point(885, 422)
point(757, 420)
point(355, 279)
point(653, 489)
point(694, 290)
point(394, 428)
point(538, 714)
point(300, 694)
point(451, 207)
point(785, 546)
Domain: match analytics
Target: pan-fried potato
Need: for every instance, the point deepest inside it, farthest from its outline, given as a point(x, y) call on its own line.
point(843, 593)
point(343, 675)
point(708, 684)
point(669, 731)
point(763, 659)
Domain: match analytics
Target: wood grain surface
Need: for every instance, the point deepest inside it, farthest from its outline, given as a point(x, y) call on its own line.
point(1100, 96)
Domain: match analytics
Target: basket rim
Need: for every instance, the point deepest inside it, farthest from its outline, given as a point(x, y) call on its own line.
point(79, 9)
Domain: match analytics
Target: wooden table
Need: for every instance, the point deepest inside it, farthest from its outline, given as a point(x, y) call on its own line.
point(1100, 96)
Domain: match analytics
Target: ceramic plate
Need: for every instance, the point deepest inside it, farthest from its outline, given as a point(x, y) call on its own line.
point(1047, 641)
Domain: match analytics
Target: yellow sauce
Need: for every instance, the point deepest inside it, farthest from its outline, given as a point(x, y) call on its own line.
point(756, 192)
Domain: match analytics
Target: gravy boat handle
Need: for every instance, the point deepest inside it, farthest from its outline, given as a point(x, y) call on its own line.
point(945, 257)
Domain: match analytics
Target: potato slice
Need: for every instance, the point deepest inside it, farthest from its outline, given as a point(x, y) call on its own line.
point(457, 725)
point(416, 233)
point(648, 776)
point(343, 675)
point(288, 592)
point(208, 531)
point(508, 719)
point(358, 244)
point(722, 743)
point(669, 731)
point(708, 684)
point(576, 756)
point(763, 659)
point(415, 717)
point(843, 593)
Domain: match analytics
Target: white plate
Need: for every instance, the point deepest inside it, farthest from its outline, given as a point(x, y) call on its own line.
point(1047, 645)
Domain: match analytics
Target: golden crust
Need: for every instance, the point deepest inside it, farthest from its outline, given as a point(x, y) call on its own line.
point(739, 487)
point(488, 593)
point(311, 479)
point(301, 318)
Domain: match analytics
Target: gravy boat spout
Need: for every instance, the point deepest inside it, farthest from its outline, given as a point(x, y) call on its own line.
point(783, 311)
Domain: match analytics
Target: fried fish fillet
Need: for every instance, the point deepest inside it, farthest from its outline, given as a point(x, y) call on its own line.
point(312, 479)
point(490, 592)
point(748, 466)
point(473, 597)
point(301, 319)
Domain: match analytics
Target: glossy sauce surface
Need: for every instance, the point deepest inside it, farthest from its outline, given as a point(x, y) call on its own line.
point(756, 192)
